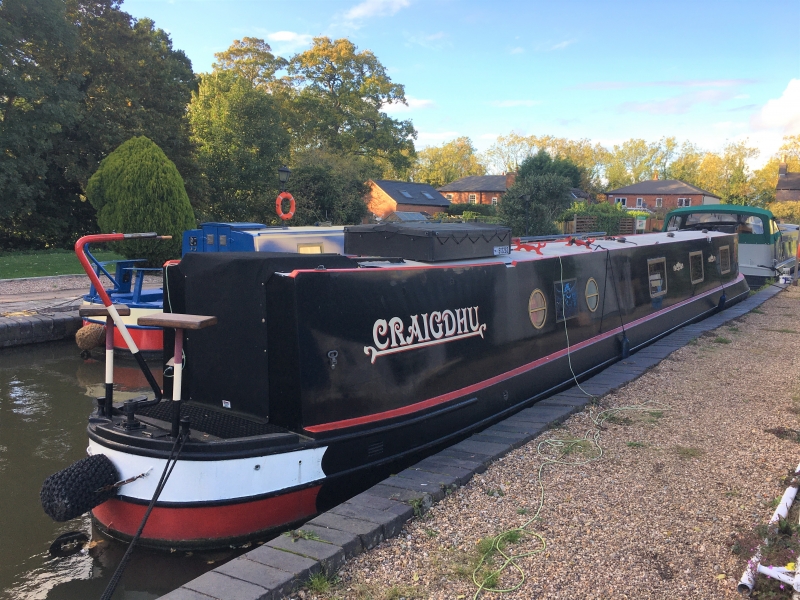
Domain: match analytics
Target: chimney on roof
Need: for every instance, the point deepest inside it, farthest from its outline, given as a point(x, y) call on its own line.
point(510, 179)
point(655, 175)
point(782, 167)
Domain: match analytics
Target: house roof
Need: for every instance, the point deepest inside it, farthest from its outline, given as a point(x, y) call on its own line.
point(477, 183)
point(660, 186)
point(790, 181)
point(404, 192)
point(579, 194)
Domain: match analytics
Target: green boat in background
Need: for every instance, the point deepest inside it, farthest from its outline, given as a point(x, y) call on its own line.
point(767, 248)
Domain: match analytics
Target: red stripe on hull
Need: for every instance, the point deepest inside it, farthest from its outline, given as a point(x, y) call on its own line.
point(206, 526)
point(147, 340)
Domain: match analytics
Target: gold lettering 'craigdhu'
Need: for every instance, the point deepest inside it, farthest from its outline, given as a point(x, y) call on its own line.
point(394, 335)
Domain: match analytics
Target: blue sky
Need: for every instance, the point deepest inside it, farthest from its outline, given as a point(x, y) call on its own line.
point(703, 71)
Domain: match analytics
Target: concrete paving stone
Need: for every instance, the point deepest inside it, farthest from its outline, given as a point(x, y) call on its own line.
point(395, 493)
point(443, 480)
point(532, 429)
point(183, 593)
point(300, 566)
point(449, 461)
point(540, 414)
point(488, 448)
point(484, 459)
point(331, 557)
point(514, 441)
point(376, 503)
point(512, 436)
point(371, 534)
point(565, 400)
point(434, 490)
point(275, 581)
point(463, 475)
point(224, 587)
point(391, 522)
point(349, 542)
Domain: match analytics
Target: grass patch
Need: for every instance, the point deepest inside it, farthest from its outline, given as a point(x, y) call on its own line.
point(758, 311)
point(636, 445)
point(782, 546)
point(693, 342)
point(721, 340)
point(522, 511)
point(319, 583)
point(618, 420)
point(784, 433)
point(576, 447)
point(689, 452)
point(14, 265)
point(432, 533)
point(495, 493)
point(733, 328)
point(396, 592)
point(300, 534)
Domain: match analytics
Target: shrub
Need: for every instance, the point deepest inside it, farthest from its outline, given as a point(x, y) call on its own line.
point(787, 211)
point(608, 215)
point(136, 189)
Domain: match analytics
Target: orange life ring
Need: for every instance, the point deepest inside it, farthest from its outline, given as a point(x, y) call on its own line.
point(279, 208)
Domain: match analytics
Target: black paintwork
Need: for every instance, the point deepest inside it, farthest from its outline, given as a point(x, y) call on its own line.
point(317, 311)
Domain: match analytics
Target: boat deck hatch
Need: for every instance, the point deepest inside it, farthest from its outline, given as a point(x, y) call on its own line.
point(212, 422)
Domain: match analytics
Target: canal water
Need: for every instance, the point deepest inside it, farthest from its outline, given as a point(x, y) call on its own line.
point(46, 395)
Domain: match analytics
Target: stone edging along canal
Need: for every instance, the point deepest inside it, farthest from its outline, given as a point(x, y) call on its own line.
point(17, 328)
point(283, 564)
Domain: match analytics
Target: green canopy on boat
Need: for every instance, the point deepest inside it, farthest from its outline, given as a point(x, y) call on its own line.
point(743, 214)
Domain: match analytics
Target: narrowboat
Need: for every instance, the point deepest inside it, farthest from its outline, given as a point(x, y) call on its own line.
point(767, 248)
point(296, 378)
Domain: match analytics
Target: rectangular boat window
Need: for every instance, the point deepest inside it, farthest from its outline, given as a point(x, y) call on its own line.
point(696, 266)
point(724, 259)
point(310, 248)
point(223, 239)
point(566, 293)
point(657, 271)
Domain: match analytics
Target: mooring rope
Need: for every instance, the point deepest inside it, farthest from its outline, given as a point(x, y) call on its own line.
point(112, 584)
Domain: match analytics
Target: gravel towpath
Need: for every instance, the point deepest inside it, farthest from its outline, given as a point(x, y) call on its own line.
point(654, 516)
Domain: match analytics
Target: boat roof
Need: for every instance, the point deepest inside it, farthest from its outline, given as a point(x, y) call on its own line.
point(727, 209)
point(561, 247)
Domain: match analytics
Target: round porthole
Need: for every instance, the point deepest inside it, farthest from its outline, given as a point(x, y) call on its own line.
point(592, 294)
point(537, 309)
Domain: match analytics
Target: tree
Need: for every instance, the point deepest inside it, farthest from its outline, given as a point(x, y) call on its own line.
point(252, 59)
point(329, 187)
point(727, 175)
point(138, 189)
point(441, 165)
point(631, 162)
point(508, 152)
point(240, 142)
point(542, 163)
point(338, 108)
point(766, 178)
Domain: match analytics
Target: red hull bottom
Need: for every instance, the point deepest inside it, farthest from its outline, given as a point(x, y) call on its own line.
point(205, 526)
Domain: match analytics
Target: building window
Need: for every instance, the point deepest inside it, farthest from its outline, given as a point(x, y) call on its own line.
point(622, 201)
point(537, 309)
point(473, 199)
point(406, 194)
point(657, 270)
point(566, 299)
point(449, 196)
point(696, 266)
point(494, 201)
point(724, 259)
point(684, 202)
point(639, 202)
point(659, 202)
point(427, 195)
point(592, 294)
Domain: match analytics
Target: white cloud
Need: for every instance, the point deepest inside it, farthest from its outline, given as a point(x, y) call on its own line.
point(517, 50)
point(690, 83)
point(413, 104)
point(375, 8)
point(289, 41)
point(562, 45)
point(434, 41)
point(782, 114)
point(514, 103)
point(680, 104)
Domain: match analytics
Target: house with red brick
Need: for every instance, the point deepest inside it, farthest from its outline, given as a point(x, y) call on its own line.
point(788, 186)
point(488, 189)
point(660, 195)
point(478, 189)
point(386, 196)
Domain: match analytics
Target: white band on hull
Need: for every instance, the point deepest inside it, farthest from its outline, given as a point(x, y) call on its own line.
point(215, 480)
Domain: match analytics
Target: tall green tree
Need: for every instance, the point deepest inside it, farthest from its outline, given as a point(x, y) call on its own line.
point(330, 187)
point(542, 163)
point(252, 59)
point(240, 142)
point(138, 189)
point(341, 94)
point(440, 165)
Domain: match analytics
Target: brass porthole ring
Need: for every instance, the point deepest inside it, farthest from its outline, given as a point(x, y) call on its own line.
point(592, 294)
point(537, 308)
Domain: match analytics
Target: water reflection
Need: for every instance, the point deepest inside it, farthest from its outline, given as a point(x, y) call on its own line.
point(46, 394)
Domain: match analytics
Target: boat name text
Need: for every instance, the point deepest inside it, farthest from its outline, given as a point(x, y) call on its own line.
point(393, 336)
